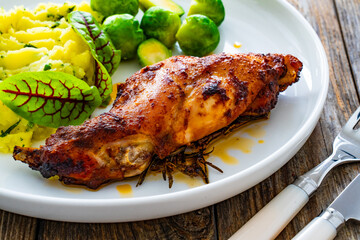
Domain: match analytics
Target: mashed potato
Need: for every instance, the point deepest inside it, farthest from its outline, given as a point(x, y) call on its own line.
point(15, 130)
point(39, 40)
point(43, 40)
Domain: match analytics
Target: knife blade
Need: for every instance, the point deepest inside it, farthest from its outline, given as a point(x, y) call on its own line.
point(346, 206)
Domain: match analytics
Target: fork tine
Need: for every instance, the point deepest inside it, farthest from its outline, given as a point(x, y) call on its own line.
point(353, 120)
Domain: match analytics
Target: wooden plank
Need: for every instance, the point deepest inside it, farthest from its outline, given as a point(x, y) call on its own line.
point(349, 17)
point(13, 226)
point(342, 101)
point(198, 224)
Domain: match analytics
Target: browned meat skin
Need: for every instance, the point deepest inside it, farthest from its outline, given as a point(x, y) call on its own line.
point(267, 97)
point(159, 109)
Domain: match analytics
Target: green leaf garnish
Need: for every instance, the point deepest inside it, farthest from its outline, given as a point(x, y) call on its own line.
point(47, 67)
point(7, 131)
point(106, 56)
point(29, 45)
point(71, 9)
point(55, 25)
point(49, 99)
point(103, 82)
point(101, 47)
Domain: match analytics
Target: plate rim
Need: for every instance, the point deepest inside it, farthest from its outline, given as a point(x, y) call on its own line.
point(81, 205)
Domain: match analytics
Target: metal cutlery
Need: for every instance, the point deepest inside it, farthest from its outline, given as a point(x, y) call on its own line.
point(273, 218)
point(346, 206)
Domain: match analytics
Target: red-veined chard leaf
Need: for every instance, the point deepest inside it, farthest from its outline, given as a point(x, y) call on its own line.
point(50, 99)
point(103, 82)
point(101, 48)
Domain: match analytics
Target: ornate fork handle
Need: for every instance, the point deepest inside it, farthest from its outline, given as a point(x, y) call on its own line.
point(310, 181)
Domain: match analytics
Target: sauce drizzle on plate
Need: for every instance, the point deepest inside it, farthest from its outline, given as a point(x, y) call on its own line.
point(243, 143)
point(125, 190)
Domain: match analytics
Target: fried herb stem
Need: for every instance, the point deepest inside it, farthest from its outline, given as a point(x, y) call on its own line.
point(190, 160)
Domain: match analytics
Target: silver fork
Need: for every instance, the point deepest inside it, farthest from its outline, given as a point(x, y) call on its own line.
point(273, 218)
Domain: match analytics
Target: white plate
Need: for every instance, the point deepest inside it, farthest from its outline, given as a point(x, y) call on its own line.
point(260, 26)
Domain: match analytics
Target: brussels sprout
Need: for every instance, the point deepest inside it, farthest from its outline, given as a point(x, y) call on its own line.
point(152, 51)
point(167, 4)
point(213, 9)
point(198, 35)
point(125, 33)
point(161, 24)
point(111, 7)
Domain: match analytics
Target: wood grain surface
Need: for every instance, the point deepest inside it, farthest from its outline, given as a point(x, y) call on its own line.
point(337, 23)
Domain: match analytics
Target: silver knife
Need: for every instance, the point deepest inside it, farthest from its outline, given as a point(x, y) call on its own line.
point(346, 206)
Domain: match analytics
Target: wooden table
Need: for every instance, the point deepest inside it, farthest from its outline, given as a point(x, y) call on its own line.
point(337, 22)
